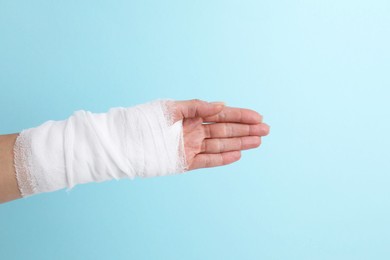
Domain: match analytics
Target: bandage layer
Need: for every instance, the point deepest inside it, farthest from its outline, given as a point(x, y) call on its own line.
point(93, 147)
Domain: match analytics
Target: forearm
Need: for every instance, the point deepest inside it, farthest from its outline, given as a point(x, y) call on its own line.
point(8, 184)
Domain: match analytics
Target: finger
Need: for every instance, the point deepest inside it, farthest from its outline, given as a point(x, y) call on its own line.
point(236, 115)
point(223, 130)
point(221, 145)
point(212, 160)
point(196, 108)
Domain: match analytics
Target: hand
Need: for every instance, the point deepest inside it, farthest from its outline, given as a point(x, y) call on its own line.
point(214, 134)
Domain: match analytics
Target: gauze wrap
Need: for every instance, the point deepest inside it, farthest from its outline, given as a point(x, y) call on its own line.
point(93, 147)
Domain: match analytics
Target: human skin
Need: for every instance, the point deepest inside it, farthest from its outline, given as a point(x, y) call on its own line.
point(214, 135)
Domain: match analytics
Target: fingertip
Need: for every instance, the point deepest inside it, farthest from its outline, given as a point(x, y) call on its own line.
point(230, 157)
point(250, 116)
point(259, 118)
point(257, 141)
point(238, 155)
point(235, 156)
point(266, 128)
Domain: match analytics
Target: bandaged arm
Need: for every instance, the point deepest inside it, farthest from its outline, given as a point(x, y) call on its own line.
point(125, 142)
point(145, 140)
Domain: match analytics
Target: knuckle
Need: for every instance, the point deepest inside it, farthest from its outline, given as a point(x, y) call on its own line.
point(240, 145)
point(221, 146)
point(228, 129)
point(254, 129)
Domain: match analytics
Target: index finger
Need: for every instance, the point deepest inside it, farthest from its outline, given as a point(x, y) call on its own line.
point(235, 115)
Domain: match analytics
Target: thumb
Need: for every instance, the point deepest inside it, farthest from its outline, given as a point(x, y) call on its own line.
point(196, 108)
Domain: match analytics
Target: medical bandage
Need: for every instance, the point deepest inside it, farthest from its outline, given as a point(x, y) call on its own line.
point(93, 147)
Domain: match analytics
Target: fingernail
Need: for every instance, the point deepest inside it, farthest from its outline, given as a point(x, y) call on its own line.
point(218, 103)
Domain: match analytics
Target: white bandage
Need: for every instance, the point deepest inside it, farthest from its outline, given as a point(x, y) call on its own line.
point(89, 147)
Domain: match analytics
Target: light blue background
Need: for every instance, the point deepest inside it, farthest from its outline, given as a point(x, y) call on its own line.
point(318, 187)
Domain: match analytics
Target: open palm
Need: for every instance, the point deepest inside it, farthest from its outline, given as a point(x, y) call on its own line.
point(215, 134)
